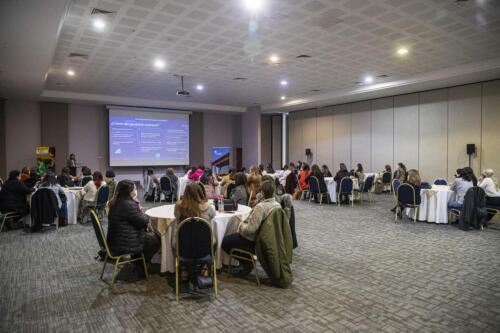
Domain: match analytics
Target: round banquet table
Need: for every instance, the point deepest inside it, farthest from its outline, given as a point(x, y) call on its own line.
point(162, 219)
point(434, 204)
point(72, 203)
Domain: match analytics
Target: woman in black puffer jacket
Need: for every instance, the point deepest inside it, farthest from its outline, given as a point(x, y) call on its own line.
point(127, 224)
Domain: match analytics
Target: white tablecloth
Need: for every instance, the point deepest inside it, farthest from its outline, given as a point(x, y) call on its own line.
point(182, 185)
point(434, 204)
point(331, 185)
point(164, 216)
point(72, 202)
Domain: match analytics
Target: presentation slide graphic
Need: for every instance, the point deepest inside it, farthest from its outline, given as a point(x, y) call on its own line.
point(220, 156)
point(143, 141)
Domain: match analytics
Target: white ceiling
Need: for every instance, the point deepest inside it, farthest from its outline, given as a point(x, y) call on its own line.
point(209, 42)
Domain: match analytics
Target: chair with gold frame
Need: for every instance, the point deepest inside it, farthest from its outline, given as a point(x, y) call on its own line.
point(250, 198)
point(194, 245)
point(7, 216)
point(119, 260)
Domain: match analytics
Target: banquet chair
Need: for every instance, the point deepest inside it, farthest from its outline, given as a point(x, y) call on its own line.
point(194, 246)
point(425, 186)
point(394, 186)
point(315, 189)
point(100, 202)
point(387, 180)
point(166, 188)
point(346, 187)
point(406, 197)
point(103, 244)
point(440, 181)
point(7, 216)
point(367, 187)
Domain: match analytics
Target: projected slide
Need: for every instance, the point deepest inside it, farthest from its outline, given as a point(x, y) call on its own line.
point(148, 138)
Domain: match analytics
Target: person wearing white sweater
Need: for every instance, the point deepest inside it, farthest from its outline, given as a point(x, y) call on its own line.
point(489, 183)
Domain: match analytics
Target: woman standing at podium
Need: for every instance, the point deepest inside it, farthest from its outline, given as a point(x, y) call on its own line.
point(71, 164)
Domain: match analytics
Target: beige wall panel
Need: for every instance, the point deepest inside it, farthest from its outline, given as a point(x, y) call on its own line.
point(382, 133)
point(341, 136)
point(490, 147)
point(433, 139)
point(361, 135)
point(324, 144)
point(295, 136)
point(464, 126)
point(309, 136)
point(406, 130)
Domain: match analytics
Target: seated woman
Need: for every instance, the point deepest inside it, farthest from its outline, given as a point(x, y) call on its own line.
point(174, 180)
point(127, 226)
point(247, 230)
point(111, 182)
point(359, 175)
point(325, 171)
point(286, 172)
point(240, 192)
point(270, 168)
point(342, 173)
point(65, 179)
point(415, 182)
point(489, 183)
point(192, 204)
point(316, 172)
point(195, 174)
point(25, 174)
point(226, 181)
point(303, 175)
point(14, 194)
point(460, 186)
point(401, 173)
point(89, 192)
point(262, 170)
point(254, 180)
point(86, 176)
point(34, 178)
point(151, 186)
point(210, 183)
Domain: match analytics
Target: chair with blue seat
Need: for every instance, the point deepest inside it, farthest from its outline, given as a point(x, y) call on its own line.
point(425, 186)
point(99, 204)
point(315, 190)
point(406, 198)
point(194, 246)
point(440, 181)
point(346, 188)
point(119, 260)
point(367, 188)
point(167, 189)
point(387, 181)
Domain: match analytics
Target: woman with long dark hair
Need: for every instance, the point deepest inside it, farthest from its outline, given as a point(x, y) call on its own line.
point(127, 225)
point(240, 192)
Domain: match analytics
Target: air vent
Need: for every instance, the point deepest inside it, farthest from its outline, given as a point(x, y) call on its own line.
point(315, 90)
point(383, 76)
point(75, 55)
point(302, 56)
point(62, 84)
point(240, 78)
point(98, 11)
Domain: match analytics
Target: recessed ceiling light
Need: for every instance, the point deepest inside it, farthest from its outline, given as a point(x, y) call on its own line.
point(283, 98)
point(99, 23)
point(402, 51)
point(253, 6)
point(284, 83)
point(70, 72)
point(200, 87)
point(159, 64)
point(368, 79)
point(274, 59)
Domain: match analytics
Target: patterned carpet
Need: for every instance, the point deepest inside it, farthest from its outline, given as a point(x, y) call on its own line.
point(355, 271)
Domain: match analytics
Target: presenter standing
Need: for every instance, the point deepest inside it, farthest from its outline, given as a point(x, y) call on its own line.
point(71, 164)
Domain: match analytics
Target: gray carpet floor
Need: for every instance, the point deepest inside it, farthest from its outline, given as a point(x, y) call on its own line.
point(355, 271)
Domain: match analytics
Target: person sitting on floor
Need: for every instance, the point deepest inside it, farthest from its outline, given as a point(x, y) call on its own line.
point(489, 183)
point(127, 226)
point(248, 229)
point(460, 186)
point(13, 196)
